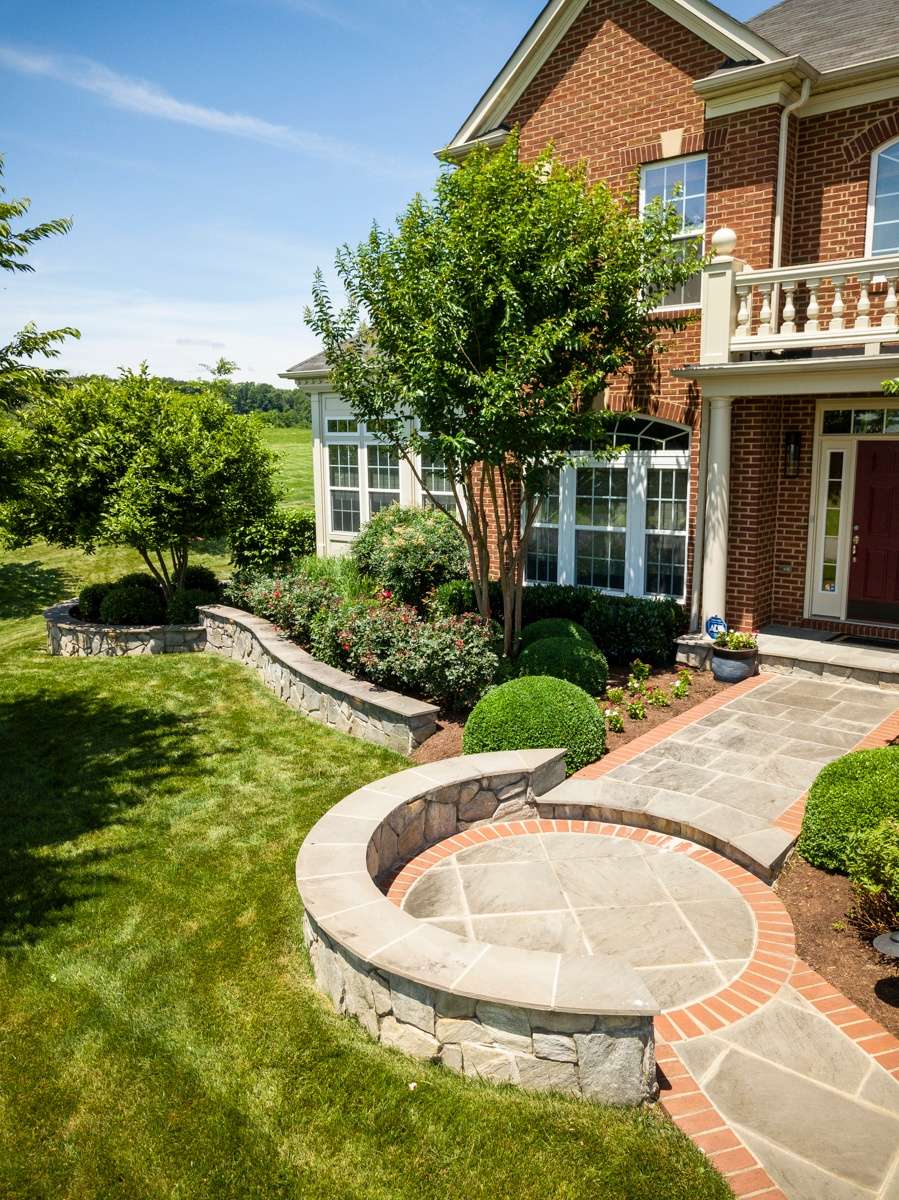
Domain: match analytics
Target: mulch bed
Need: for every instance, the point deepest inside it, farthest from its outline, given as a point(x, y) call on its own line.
point(825, 938)
point(447, 741)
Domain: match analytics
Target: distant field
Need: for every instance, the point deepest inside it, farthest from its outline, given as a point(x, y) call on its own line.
point(293, 448)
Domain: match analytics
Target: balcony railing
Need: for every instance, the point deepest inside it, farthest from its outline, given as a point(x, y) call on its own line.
point(851, 302)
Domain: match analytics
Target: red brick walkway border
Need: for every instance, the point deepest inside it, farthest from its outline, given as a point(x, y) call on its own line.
point(775, 947)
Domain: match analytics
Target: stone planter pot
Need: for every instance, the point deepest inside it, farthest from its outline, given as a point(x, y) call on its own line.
point(733, 666)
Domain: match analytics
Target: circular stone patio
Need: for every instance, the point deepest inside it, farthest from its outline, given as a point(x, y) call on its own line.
point(682, 917)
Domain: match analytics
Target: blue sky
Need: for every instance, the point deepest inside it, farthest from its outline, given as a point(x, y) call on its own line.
point(214, 152)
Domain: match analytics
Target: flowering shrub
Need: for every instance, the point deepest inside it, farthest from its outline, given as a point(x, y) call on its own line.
point(734, 640)
point(636, 710)
point(411, 551)
point(291, 602)
point(452, 660)
point(658, 698)
point(614, 720)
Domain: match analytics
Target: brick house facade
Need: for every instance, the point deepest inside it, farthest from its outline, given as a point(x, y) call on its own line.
point(784, 462)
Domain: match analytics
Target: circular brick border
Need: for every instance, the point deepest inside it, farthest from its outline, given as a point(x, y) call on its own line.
point(767, 970)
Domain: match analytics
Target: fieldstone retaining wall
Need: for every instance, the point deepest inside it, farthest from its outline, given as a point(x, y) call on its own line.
point(544, 1021)
point(320, 692)
point(70, 637)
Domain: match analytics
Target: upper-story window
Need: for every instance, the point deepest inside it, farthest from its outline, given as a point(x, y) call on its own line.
point(680, 182)
point(883, 201)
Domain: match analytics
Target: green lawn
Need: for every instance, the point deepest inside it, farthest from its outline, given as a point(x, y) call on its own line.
point(160, 1033)
point(293, 448)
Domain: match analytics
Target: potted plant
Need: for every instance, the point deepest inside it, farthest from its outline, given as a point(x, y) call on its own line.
point(734, 656)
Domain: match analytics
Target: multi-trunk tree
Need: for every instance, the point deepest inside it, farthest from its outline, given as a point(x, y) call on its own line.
point(484, 330)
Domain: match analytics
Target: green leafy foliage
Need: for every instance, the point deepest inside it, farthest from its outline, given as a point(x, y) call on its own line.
point(636, 708)
point(129, 462)
point(451, 660)
point(851, 795)
point(131, 604)
point(20, 378)
point(732, 639)
point(202, 578)
point(554, 627)
point(872, 862)
point(492, 318)
point(615, 695)
point(538, 712)
point(291, 602)
point(614, 720)
point(658, 697)
point(274, 541)
point(566, 658)
point(90, 598)
point(182, 608)
point(138, 579)
point(410, 551)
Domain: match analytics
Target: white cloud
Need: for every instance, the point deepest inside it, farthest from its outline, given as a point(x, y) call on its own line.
point(141, 96)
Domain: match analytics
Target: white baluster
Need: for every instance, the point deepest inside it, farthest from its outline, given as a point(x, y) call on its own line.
point(789, 321)
point(744, 314)
point(838, 307)
point(888, 320)
point(863, 311)
point(765, 311)
point(812, 324)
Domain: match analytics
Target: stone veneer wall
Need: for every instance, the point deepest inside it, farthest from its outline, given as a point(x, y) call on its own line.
point(71, 638)
point(543, 1021)
point(320, 692)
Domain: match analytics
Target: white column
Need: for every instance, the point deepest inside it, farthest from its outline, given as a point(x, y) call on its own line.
point(717, 509)
point(719, 299)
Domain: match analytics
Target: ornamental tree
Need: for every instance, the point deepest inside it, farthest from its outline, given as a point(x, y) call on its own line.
point(133, 462)
point(484, 329)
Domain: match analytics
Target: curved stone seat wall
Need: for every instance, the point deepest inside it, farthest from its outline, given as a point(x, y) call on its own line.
point(541, 1020)
point(70, 637)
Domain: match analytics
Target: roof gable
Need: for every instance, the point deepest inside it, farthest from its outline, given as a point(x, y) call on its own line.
point(708, 22)
point(831, 34)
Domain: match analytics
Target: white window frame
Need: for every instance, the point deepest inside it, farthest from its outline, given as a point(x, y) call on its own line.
point(694, 234)
point(638, 464)
point(872, 201)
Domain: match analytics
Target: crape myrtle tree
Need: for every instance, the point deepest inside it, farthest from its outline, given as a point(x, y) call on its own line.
point(483, 332)
point(20, 377)
point(133, 462)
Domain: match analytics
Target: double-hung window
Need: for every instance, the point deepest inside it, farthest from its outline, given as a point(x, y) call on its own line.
point(619, 525)
point(883, 201)
point(363, 472)
point(681, 184)
point(436, 478)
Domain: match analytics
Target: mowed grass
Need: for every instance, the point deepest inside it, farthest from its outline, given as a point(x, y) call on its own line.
point(293, 448)
point(160, 1031)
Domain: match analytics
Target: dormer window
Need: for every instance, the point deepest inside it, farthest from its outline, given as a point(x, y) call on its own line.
point(883, 201)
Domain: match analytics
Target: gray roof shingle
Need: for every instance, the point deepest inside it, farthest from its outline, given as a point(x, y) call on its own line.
point(832, 33)
point(317, 362)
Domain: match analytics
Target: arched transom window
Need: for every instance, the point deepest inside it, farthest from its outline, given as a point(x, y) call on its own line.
point(883, 201)
point(619, 524)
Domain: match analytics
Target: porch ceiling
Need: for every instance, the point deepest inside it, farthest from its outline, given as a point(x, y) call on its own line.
point(862, 374)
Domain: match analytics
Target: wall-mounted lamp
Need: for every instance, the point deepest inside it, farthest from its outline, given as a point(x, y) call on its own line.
point(792, 453)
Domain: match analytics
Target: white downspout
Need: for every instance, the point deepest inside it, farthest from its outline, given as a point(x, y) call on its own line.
point(780, 197)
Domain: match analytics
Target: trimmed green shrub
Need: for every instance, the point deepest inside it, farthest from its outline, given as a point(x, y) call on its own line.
point(624, 627)
point(451, 660)
point(538, 712)
point(564, 658)
point(139, 579)
point(204, 579)
point(182, 608)
point(872, 860)
point(131, 604)
point(851, 795)
point(555, 627)
point(411, 551)
point(273, 543)
point(90, 598)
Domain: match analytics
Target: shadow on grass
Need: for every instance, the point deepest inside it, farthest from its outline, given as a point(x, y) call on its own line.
point(70, 765)
point(27, 588)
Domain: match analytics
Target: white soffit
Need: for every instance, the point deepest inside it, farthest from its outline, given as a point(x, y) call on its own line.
point(723, 32)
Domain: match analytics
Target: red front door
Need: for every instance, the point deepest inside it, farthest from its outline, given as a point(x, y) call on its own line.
point(874, 574)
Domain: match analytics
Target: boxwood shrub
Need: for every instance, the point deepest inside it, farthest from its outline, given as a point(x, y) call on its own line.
point(538, 712)
point(204, 579)
point(182, 608)
point(90, 598)
point(872, 859)
point(411, 551)
point(131, 604)
point(565, 658)
point(623, 627)
point(138, 579)
point(851, 795)
point(555, 627)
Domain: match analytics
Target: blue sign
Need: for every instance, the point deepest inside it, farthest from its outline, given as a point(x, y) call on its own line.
point(714, 626)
